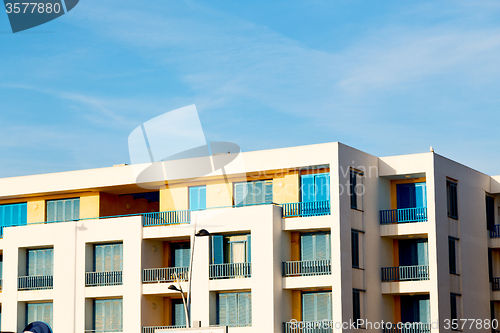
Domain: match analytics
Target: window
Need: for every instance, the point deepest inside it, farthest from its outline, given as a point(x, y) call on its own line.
point(108, 257)
point(355, 248)
point(316, 306)
point(451, 190)
point(108, 315)
point(415, 309)
point(234, 309)
point(39, 312)
point(490, 213)
point(455, 306)
point(355, 181)
point(178, 313)
point(180, 254)
point(252, 193)
point(356, 306)
point(452, 253)
point(490, 264)
point(13, 215)
point(40, 262)
point(315, 187)
point(315, 246)
point(63, 210)
point(231, 249)
point(198, 198)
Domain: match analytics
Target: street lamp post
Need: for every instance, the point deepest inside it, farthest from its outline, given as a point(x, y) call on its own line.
point(174, 288)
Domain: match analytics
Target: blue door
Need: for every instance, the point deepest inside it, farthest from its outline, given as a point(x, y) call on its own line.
point(315, 191)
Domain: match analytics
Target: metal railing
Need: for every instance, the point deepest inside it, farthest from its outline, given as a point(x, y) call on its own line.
point(166, 274)
point(308, 327)
point(104, 331)
point(409, 328)
point(307, 268)
point(495, 233)
point(165, 218)
point(152, 329)
point(404, 215)
point(405, 273)
point(224, 271)
point(496, 284)
point(36, 282)
point(95, 279)
point(303, 209)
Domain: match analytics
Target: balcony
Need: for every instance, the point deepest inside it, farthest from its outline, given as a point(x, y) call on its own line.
point(167, 274)
point(307, 268)
point(409, 328)
point(226, 271)
point(405, 273)
point(308, 327)
point(405, 215)
point(37, 282)
point(495, 233)
point(304, 209)
point(496, 284)
point(166, 218)
point(99, 279)
point(152, 329)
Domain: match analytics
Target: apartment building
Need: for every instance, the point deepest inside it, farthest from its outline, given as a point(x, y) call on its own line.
point(279, 242)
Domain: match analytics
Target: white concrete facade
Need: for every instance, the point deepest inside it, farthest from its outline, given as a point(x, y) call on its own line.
point(274, 297)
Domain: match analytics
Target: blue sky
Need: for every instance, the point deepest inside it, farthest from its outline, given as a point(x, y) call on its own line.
point(389, 77)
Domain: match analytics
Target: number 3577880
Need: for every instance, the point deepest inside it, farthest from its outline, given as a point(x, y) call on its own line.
point(32, 8)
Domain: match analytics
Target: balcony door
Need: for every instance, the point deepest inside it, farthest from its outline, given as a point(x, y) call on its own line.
point(40, 262)
point(316, 306)
point(315, 246)
point(108, 257)
point(415, 309)
point(181, 254)
point(413, 195)
point(413, 252)
point(315, 187)
point(178, 313)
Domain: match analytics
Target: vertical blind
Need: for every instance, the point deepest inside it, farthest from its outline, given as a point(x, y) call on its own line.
point(256, 192)
point(181, 254)
point(198, 197)
point(39, 312)
point(316, 306)
point(234, 309)
point(315, 246)
point(108, 315)
point(40, 262)
point(108, 257)
point(222, 249)
point(63, 210)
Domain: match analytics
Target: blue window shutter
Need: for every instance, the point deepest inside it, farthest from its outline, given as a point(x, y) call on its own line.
point(424, 310)
point(322, 181)
point(321, 247)
point(308, 188)
point(307, 247)
point(203, 197)
point(308, 307)
point(99, 258)
point(31, 263)
point(222, 310)
point(217, 249)
point(322, 306)
point(197, 197)
point(240, 192)
point(49, 262)
point(181, 254)
point(420, 195)
point(13, 214)
point(233, 309)
point(117, 315)
point(249, 248)
point(108, 258)
point(268, 198)
point(51, 211)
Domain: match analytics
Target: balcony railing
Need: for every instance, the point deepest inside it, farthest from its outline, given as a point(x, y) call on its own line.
point(95, 279)
point(104, 331)
point(307, 268)
point(496, 284)
point(495, 233)
point(152, 329)
point(36, 282)
point(224, 271)
point(308, 327)
point(165, 218)
point(302, 209)
point(167, 274)
point(409, 328)
point(405, 215)
point(405, 273)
